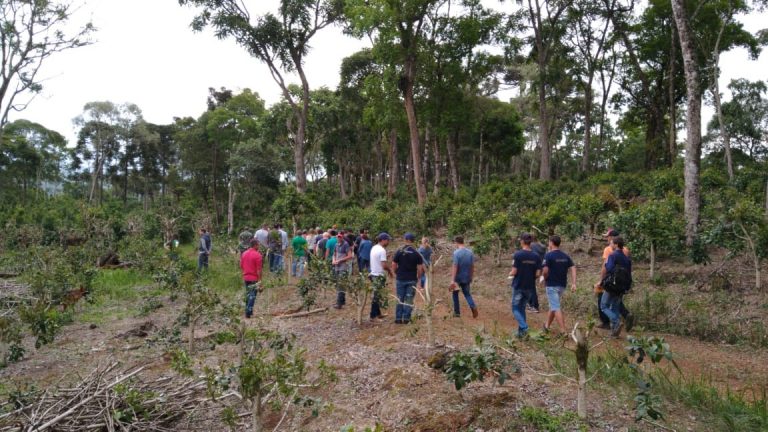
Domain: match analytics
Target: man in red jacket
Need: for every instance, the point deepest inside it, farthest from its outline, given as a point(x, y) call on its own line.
point(251, 264)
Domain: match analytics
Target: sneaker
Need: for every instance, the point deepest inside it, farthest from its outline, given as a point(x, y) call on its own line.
point(337, 306)
point(397, 321)
point(457, 315)
point(604, 326)
point(522, 334)
point(616, 333)
point(474, 312)
point(545, 328)
point(629, 321)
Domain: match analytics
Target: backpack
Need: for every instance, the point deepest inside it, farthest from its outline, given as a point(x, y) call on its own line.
point(619, 281)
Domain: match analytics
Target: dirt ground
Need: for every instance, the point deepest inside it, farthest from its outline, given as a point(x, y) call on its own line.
point(382, 370)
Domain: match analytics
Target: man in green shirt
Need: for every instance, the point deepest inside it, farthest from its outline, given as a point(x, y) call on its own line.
point(299, 246)
point(330, 246)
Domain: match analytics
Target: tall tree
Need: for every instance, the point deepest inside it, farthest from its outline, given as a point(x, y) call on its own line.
point(282, 43)
point(31, 32)
point(546, 23)
point(692, 123)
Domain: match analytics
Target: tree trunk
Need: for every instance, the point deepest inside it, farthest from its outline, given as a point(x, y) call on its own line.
point(256, 408)
point(342, 186)
point(377, 177)
point(582, 359)
point(587, 126)
point(480, 160)
point(393, 163)
point(718, 105)
point(413, 128)
point(232, 194)
point(672, 146)
point(653, 261)
point(300, 137)
point(452, 162)
point(438, 165)
point(545, 169)
point(361, 308)
point(693, 124)
point(191, 342)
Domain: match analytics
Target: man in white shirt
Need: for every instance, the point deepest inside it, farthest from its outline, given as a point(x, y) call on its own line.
point(379, 270)
point(262, 235)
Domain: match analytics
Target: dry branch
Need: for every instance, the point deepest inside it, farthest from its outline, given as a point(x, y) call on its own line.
point(305, 313)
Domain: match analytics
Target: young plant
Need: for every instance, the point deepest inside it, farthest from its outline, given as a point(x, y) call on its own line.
point(654, 349)
point(474, 364)
point(201, 301)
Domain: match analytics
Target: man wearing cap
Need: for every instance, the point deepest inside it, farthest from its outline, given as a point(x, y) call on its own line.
point(629, 318)
point(245, 240)
point(251, 264)
point(379, 268)
point(526, 267)
point(408, 267)
point(611, 302)
point(462, 272)
point(342, 256)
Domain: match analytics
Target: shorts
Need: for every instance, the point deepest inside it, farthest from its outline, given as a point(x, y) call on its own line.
point(553, 295)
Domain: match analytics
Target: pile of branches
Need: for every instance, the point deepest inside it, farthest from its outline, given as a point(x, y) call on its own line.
point(105, 401)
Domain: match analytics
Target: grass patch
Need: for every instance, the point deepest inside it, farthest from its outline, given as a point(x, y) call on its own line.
point(117, 294)
point(544, 421)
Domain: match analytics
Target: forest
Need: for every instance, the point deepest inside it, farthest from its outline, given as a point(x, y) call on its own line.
point(105, 323)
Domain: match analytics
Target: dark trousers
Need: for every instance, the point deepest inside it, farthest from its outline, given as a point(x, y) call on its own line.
point(202, 261)
point(378, 283)
point(603, 317)
point(250, 297)
point(534, 300)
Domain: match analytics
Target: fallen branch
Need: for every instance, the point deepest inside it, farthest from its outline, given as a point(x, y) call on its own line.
point(305, 313)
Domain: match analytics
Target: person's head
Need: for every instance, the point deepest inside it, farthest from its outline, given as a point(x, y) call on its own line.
point(526, 240)
point(384, 239)
point(265, 226)
point(554, 242)
point(254, 243)
point(364, 236)
point(326, 235)
point(246, 228)
point(276, 226)
point(409, 238)
point(459, 240)
point(425, 242)
point(202, 231)
point(617, 243)
point(333, 233)
point(334, 227)
point(610, 234)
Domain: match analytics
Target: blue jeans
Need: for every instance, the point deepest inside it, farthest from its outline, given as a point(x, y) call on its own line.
point(250, 297)
point(202, 261)
point(467, 295)
point(363, 265)
point(603, 317)
point(406, 291)
point(297, 266)
point(520, 299)
point(275, 262)
point(610, 304)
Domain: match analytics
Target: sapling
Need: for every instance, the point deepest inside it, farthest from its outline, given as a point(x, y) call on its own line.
point(201, 300)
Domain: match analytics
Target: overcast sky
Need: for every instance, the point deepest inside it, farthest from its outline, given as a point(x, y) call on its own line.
point(145, 53)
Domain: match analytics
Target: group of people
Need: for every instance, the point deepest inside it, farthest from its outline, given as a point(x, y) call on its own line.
point(346, 251)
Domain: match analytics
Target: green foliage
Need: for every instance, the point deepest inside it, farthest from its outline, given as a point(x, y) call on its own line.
point(463, 220)
point(44, 322)
point(318, 277)
point(474, 364)
point(545, 421)
point(494, 236)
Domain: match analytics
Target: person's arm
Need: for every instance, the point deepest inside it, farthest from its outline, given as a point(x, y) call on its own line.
point(573, 278)
point(454, 271)
point(385, 265)
point(545, 271)
point(419, 272)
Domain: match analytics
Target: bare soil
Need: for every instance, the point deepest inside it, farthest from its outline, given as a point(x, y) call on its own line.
point(382, 370)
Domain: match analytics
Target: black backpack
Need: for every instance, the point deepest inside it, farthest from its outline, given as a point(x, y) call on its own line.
point(619, 281)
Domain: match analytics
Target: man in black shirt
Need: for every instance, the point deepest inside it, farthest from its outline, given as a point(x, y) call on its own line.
point(408, 267)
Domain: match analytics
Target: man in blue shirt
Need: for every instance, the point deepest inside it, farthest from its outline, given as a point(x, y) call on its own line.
point(610, 303)
point(204, 250)
point(555, 271)
point(463, 270)
point(526, 267)
point(364, 253)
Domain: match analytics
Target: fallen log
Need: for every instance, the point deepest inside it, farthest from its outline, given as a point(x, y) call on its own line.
point(305, 313)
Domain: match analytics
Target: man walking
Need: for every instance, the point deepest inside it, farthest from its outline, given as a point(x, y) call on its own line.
point(251, 264)
point(262, 235)
point(299, 246)
point(629, 318)
point(204, 250)
point(245, 240)
point(283, 245)
point(364, 251)
point(342, 254)
point(526, 267)
point(555, 271)
point(379, 268)
point(617, 280)
point(408, 266)
point(540, 250)
point(275, 246)
point(330, 245)
point(462, 272)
